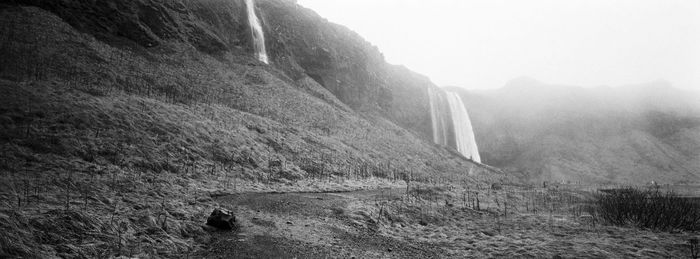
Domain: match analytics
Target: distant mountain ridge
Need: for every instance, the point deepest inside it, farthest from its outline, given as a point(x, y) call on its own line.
point(630, 134)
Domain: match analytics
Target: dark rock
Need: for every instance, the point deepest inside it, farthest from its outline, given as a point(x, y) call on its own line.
point(222, 219)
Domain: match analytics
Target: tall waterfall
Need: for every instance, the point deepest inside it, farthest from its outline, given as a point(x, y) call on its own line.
point(464, 133)
point(446, 105)
point(439, 121)
point(256, 29)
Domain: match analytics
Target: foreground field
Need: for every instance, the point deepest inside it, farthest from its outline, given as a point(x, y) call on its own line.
point(387, 223)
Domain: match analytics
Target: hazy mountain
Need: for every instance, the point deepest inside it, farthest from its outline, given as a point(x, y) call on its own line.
point(630, 134)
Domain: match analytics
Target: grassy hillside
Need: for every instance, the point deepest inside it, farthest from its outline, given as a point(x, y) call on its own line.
point(114, 144)
point(300, 44)
point(634, 134)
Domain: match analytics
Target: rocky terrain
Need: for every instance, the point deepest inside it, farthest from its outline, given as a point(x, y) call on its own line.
point(633, 135)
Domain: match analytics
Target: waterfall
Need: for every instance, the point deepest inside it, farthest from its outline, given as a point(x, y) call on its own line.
point(443, 106)
point(464, 133)
point(256, 29)
point(438, 120)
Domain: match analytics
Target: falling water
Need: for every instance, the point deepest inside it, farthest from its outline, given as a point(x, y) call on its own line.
point(438, 120)
point(463, 134)
point(256, 29)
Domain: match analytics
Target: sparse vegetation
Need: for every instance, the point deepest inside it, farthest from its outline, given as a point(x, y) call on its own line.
point(652, 209)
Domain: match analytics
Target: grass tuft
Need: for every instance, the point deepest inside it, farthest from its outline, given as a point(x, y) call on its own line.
point(651, 209)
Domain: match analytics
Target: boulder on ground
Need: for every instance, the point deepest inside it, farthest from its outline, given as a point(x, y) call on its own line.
point(222, 219)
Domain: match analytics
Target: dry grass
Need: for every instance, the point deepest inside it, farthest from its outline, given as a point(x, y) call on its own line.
point(350, 224)
point(520, 222)
point(651, 209)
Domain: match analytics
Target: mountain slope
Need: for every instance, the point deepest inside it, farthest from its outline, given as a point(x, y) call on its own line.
point(300, 43)
point(124, 118)
point(178, 73)
point(633, 134)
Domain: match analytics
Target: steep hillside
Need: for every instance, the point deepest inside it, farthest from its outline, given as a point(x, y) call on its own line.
point(124, 118)
point(304, 44)
point(634, 134)
point(300, 43)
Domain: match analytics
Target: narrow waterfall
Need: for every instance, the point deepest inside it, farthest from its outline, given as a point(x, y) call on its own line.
point(447, 109)
point(256, 29)
point(438, 120)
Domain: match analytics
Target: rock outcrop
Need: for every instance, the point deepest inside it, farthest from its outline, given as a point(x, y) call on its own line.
point(222, 219)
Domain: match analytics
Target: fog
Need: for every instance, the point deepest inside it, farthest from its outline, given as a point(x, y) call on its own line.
point(484, 44)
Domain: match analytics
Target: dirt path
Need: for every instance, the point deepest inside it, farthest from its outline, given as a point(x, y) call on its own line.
point(349, 225)
point(310, 225)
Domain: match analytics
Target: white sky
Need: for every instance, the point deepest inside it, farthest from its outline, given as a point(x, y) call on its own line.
point(485, 43)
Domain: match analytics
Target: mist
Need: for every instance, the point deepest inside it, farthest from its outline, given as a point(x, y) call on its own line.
point(484, 44)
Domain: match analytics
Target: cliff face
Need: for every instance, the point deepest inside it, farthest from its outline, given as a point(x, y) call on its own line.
point(304, 44)
point(300, 43)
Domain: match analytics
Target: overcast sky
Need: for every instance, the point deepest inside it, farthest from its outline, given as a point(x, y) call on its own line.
point(485, 43)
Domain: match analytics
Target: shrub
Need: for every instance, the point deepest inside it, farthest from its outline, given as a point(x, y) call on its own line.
point(650, 209)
